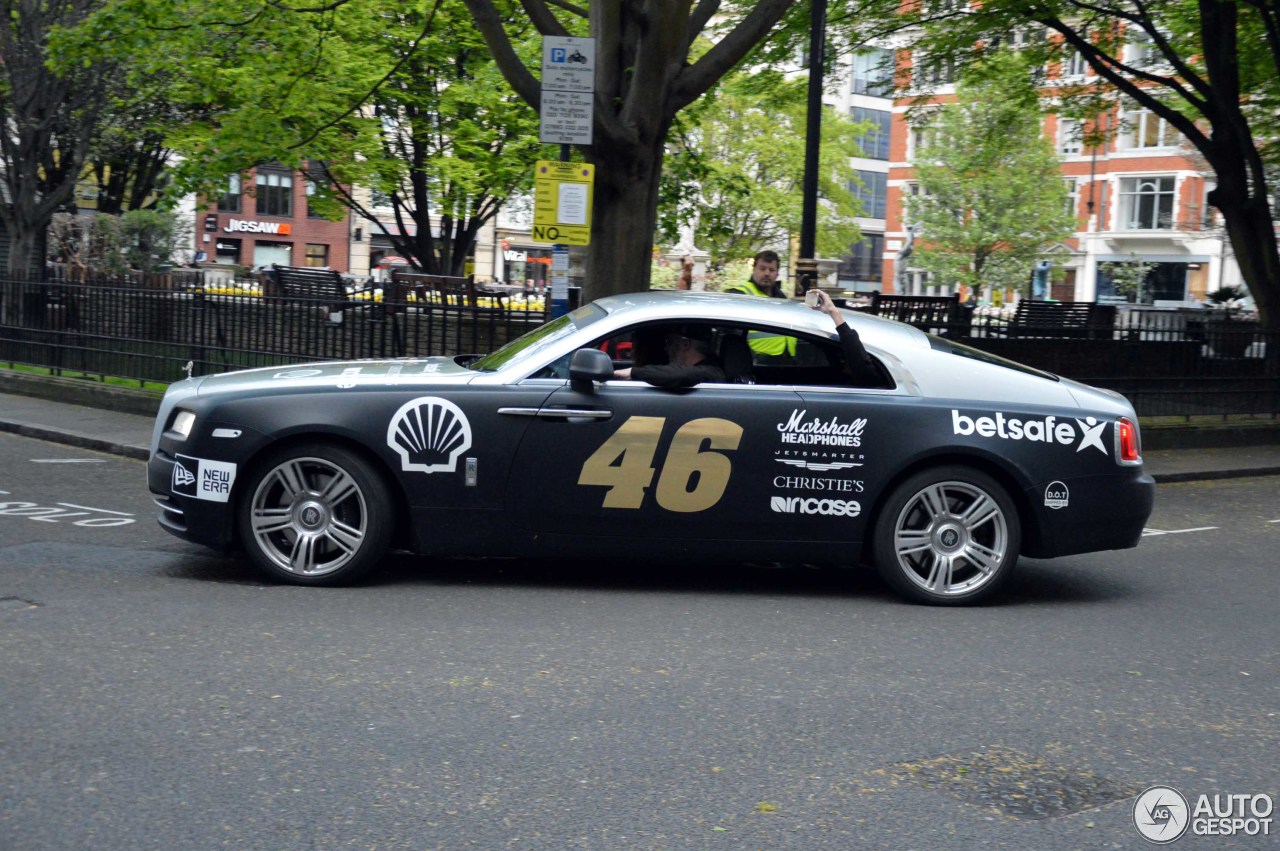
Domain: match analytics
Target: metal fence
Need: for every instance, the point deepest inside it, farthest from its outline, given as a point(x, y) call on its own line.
point(150, 329)
point(1167, 362)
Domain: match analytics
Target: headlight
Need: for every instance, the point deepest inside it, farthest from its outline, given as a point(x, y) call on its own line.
point(183, 422)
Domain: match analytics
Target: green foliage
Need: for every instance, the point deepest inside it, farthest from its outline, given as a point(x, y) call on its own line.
point(736, 164)
point(1128, 278)
point(992, 198)
point(142, 240)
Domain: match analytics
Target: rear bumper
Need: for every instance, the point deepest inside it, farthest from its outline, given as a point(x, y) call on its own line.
point(1102, 513)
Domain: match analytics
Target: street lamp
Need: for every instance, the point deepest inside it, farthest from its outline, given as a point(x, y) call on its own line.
point(807, 264)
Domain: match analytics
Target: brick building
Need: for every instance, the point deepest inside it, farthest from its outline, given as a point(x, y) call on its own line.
point(1140, 195)
point(263, 217)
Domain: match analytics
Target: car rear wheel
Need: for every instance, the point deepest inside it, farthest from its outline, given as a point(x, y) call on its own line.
point(947, 536)
point(315, 514)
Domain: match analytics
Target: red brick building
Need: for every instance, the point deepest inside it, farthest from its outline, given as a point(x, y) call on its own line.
point(1141, 195)
point(263, 217)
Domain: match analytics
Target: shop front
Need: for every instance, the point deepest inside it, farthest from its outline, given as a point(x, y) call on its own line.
point(526, 264)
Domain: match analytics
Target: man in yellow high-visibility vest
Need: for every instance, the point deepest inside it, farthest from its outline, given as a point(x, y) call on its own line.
point(763, 283)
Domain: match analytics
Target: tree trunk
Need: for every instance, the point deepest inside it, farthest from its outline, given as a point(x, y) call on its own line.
point(1253, 239)
point(1247, 215)
point(625, 216)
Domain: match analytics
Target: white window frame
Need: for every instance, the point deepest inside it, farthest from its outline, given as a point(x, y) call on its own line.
point(1073, 196)
point(1070, 137)
point(1139, 124)
point(1144, 202)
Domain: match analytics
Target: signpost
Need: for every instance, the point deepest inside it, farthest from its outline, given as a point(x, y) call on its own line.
point(562, 190)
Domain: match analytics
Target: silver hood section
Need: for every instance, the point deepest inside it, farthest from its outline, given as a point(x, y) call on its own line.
point(327, 374)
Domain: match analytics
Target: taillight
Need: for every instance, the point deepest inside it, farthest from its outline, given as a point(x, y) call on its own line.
point(1128, 450)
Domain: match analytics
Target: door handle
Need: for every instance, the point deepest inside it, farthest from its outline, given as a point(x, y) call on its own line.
point(557, 413)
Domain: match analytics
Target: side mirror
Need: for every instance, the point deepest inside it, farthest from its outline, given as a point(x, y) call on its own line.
point(588, 366)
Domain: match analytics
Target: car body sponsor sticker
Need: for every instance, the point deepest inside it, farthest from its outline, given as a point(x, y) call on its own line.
point(1056, 495)
point(813, 505)
point(201, 478)
point(1048, 429)
point(429, 434)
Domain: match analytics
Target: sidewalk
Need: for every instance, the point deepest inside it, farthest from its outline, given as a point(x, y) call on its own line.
point(127, 434)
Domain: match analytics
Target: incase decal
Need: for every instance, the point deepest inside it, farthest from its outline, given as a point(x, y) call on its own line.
point(817, 432)
point(429, 434)
point(1056, 495)
point(809, 505)
point(1048, 430)
point(201, 478)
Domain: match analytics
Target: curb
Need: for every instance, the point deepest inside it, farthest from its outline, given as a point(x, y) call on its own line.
point(80, 391)
point(80, 441)
point(1207, 475)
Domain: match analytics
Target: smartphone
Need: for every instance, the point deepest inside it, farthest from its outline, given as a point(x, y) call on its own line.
point(813, 298)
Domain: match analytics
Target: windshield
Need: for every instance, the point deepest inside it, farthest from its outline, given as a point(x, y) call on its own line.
point(539, 339)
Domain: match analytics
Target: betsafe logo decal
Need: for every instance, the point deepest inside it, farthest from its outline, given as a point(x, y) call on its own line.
point(1047, 430)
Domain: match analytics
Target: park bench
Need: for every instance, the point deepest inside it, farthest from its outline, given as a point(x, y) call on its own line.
point(447, 289)
point(324, 287)
point(943, 315)
point(1063, 319)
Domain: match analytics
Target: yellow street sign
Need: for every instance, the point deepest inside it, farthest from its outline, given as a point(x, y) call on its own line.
point(562, 202)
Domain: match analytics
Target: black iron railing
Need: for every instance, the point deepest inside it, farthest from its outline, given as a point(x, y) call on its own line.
point(149, 328)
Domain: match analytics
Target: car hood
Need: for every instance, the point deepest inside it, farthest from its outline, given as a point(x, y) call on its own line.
point(392, 371)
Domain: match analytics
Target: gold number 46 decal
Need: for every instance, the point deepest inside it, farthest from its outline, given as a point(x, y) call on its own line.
point(624, 464)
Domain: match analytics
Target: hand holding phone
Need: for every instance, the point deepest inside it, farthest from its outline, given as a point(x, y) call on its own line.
point(814, 299)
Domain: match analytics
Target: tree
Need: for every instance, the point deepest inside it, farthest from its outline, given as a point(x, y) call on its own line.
point(401, 98)
point(1209, 67)
point(991, 194)
point(47, 122)
point(1128, 278)
point(453, 141)
point(742, 156)
point(647, 71)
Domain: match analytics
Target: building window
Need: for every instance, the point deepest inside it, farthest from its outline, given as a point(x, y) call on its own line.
point(875, 142)
point(227, 251)
point(317, 255)
point(1073, 196)
point(930, 72)
point(1073, 64)
point(873, 72)
point(1146, 203)
point(275, 193)
point(872, 192)
point(1070, 133)
point(230, 200)
point(865, 260)
point(1144, 129)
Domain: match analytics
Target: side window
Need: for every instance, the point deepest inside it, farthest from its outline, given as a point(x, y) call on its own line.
point(811, 362)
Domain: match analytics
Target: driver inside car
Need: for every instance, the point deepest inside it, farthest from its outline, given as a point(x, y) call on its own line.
point(691, 360)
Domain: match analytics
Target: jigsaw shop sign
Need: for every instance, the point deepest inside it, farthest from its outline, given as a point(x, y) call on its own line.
point(250, 226)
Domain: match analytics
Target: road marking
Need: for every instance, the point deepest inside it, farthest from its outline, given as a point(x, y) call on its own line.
point(68, 460)
point(1273, 521)
point(103, 510)
point(1149, 532)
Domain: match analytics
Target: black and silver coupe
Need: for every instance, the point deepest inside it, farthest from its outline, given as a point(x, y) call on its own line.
point(940, 472)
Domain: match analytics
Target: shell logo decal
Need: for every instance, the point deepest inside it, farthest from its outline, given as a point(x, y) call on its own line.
point(429, 434)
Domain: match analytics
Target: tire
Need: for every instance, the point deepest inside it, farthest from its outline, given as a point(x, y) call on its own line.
point(947, 536)
point(315, 514)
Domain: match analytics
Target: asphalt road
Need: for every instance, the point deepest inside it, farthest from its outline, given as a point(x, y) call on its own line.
point(157, 695)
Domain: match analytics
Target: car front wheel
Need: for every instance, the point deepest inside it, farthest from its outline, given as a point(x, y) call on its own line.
point(947, 536)
point(315, 514)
